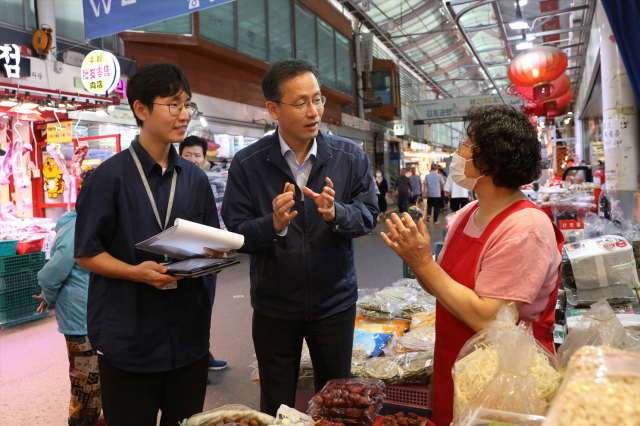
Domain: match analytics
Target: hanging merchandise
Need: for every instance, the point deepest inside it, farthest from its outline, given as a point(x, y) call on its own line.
point(52, 177)
point(77, 162)
point(67, 182)
point(565, 99)
point(21, 180)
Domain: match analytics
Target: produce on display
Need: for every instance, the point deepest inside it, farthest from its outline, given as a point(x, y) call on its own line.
point(399, 419)
point(421, 302)
point(425, 319)
point(419, 340)
point(601, 387)
point(412, 367)
point(348, 402)
point(488, 370)
point(230, 414)
point(378, 306)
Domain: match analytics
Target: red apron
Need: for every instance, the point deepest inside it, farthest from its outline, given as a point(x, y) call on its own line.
point(460, 260)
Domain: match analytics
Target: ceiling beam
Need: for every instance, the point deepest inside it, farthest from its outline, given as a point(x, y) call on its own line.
point(422, 40)
point(441, 53)
point(411, 15)
point(451, 67)
point(461, 88)
point(481, 28)
point(491, 49)
point(553, 32)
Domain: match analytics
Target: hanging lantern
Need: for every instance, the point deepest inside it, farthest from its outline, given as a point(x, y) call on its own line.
point(537, 68)
point(565, 99)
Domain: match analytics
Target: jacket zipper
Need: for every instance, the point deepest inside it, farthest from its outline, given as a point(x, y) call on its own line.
point(304, 253)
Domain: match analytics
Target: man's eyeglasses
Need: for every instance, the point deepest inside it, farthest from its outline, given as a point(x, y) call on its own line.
point(303, 106)
point(175, 108)
point(196, 156)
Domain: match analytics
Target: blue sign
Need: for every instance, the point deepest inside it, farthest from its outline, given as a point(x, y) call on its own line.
point(105, 17)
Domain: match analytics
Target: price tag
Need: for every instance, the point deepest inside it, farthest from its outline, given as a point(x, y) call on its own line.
point(571, 224)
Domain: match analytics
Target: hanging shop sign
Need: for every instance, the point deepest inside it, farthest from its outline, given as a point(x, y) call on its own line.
point(100, 72)
point(454, 109)
point(13, 65)
point(105, 17)
point(59, 133)
point(398, 129)
point(367, 52)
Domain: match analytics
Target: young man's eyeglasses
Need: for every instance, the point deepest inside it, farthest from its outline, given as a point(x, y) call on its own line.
point(175, 108)
point(303, 106)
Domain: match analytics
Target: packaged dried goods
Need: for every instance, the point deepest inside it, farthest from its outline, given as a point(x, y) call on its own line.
point(402, 293)
point(615, 295)
point(372, 343)
point(348, 402)
point(408, 282)
point(601, 387)
point(484, 417)
point(233, 413)
point(358, 358)
point(482, 360)
point(419, 340)
point(379, 306)
point(399, 419)
point(413, 367)
point(424, 319)
point(422, 302)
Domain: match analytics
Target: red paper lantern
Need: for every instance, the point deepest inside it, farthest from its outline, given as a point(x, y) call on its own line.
point(560, 86)
point(537, 68)
point(565, 99)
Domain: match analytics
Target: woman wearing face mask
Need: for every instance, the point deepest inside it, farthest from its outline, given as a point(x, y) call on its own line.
point(499, 249)
point(382, 190)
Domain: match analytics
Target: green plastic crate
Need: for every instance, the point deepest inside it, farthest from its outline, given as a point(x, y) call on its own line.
point(13, 299)
point(22, 263)
point(8, 248)
point(21, 315)
point(406, 272)
point(18, 281)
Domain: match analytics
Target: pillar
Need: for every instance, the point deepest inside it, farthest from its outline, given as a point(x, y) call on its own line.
point(358, 57)
point(47, 15)
point(620, 127)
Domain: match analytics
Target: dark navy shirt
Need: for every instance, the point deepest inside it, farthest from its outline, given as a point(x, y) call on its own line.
point(136, 326)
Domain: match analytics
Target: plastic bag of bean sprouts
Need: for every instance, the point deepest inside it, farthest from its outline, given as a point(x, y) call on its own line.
point(480, 371)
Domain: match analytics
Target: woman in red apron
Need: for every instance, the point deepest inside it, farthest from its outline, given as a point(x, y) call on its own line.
point(500, 154)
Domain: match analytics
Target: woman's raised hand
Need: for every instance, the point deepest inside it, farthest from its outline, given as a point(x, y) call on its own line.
point(412, 243)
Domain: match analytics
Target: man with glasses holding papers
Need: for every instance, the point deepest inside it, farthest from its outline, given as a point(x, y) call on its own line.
point(299, 197)
point(151, 330)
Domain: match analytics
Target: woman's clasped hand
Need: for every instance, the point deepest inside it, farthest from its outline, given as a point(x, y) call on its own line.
point(410, 241)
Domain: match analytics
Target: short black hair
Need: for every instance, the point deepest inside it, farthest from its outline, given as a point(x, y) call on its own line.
point(434, 166)
point(190, 141)
point(506, 145)
point(155, 80)
point(283, 70)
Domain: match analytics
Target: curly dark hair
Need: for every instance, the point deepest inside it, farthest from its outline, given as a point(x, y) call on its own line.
point(506, 145)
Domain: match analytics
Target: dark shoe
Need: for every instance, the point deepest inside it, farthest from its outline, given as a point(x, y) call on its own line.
point(208, 380)
point(217, 365)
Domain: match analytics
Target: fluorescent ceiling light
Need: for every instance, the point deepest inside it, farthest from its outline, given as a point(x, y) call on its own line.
point(8, 103)
point(570, 113)
point(203, 121)
point(102, 113)
point(519, 25)
point(29, 105)
point(531, 36)
point(111, 108)
point(523, 45)
point(522, 3)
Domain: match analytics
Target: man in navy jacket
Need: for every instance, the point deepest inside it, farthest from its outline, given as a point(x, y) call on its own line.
point(303, 278)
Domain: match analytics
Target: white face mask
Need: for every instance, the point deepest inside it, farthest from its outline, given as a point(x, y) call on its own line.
point(456, 168)
point(379, 174)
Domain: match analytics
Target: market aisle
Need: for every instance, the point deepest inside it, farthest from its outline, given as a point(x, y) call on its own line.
point(34, 383)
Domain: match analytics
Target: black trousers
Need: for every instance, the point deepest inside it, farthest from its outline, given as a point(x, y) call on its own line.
point(434, 203)
point(403, 202)
point(210, 283)
point(134, 399)
point(278, 345)
point(458, 203)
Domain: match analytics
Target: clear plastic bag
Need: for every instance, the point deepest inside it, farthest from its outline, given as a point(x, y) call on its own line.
point(598, 327)
point(419, 340)
point(601, 387)
point(408, 282)
point(484, 417)
point(478, 362)
point(512, 387)
point(379, 306)
point(423, 319)
point(358, 358)
point(348, 401)
point(421, 302)
point(289, 417)
point(413, 367)
point(402, 293)
point(232, 411)
point(616, 295)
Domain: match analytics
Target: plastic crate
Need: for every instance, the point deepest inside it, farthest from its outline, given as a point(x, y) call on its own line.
point(18, 281)
point(15, 298)
point(21, 314)
point(22, 263)
point(406, 272)
point(415, 396)
point(8, 248)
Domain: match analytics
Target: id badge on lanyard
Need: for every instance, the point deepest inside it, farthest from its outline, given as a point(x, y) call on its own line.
point(172, 284)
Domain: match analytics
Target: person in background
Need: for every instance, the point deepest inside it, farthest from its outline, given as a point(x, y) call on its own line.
point(303, 276)
point(459, 196)
point(382, 190)
point(403, 191)
point(444, 199)
point(194, 149)
point(416, 183)
point(433, 185)
point(65, 285)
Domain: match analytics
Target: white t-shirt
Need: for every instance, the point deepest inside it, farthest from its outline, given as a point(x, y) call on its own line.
point(456, 190)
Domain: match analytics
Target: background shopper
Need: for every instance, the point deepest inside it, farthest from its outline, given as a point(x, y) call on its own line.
point(459, 195)
point(382, 191)
point(416, 183)
point(64, 286)
point(433, 185)
point(403, 191)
